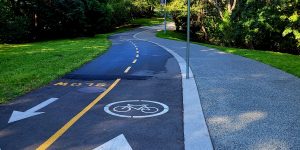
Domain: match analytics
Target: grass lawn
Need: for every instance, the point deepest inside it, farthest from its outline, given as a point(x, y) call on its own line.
point(286, 62)
point(147, 21)
point(24, 67)
point(27, 66)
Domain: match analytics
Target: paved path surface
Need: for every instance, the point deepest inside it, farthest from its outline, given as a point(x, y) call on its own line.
point(131, 98)
point(247, 104)
point(103, 101)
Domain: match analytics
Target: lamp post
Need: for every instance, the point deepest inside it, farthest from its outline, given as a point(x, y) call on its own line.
point(188, 41)
point(165, 22)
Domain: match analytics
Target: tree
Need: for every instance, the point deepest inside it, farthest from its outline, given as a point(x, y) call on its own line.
point(144, 8)
point(263, 24)
point(24, 20)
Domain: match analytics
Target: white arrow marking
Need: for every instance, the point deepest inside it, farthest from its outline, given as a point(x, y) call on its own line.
point(117, 143)
point(19, 115)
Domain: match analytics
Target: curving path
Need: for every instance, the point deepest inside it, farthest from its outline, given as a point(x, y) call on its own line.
point(247, 104)
point(129, 98)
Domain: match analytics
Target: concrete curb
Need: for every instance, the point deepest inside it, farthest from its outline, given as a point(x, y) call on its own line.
point(196, 135)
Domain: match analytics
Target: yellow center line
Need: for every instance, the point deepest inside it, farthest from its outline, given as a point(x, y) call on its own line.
point(134, 61)
point(62, 130)
point(127, 69)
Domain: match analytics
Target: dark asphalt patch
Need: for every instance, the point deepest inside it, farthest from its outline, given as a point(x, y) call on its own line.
point(92, 90)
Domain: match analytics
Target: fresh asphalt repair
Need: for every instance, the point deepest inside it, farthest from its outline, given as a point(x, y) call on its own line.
point(129, 98)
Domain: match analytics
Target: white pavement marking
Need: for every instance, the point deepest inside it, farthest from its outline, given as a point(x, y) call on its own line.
point(134, 61)
point(127, 69)
point(18, 115)
point(117, 143)
point(137, 55)
point(196, 135)
point(132, 43)
point(140, 107)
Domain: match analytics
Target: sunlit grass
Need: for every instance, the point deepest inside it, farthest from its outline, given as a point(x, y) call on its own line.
point(27, 66)
point(286, 62)
point(171, 35)
point(24, 67)
point(13, 45)
point(147, 21)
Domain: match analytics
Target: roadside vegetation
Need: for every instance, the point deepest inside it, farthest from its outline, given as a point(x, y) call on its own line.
point(286, 62)
point(34, 20)
point(58, 36)
point(251, 24)
point(27, 66)
point(147, 21)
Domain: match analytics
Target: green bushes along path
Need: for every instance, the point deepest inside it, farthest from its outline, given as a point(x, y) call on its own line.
point(31, 20)
point(270, 25)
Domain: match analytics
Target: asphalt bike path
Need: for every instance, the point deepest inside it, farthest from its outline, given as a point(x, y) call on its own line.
point(246, 104)
point(129, 98)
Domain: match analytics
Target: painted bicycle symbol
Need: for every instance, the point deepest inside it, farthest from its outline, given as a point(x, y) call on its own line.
point(136, 108)
point(143, 108)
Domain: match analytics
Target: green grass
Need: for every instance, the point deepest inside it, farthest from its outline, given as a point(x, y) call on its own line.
point(286, 62)
point(27, 66)
point(147, 21)
point(24, 67)
point(172, 35)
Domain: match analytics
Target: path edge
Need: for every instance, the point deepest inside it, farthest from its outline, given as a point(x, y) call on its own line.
point(196, 134)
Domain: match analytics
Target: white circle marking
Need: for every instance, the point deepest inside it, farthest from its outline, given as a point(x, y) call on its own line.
point(165, 109)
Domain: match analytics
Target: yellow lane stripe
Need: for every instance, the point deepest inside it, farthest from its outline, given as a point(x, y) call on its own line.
point(134, 61)
point(61, 131)
point(127, 69)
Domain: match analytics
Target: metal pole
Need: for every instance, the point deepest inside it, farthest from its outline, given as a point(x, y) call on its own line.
point(165, 17)
point(188, 42)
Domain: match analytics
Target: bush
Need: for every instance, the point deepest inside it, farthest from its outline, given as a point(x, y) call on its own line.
point(35, 20)
point(245, 24)
point(12, 28)
point(15, 30)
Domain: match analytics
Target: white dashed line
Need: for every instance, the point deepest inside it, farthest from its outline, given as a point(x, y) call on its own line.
point(196, 135)
point(137, 52)
point(127, 69)
point(137, 55)
point(134, 61)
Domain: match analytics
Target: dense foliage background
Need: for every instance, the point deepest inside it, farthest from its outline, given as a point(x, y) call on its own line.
point(255, 24)
point(27, 20)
